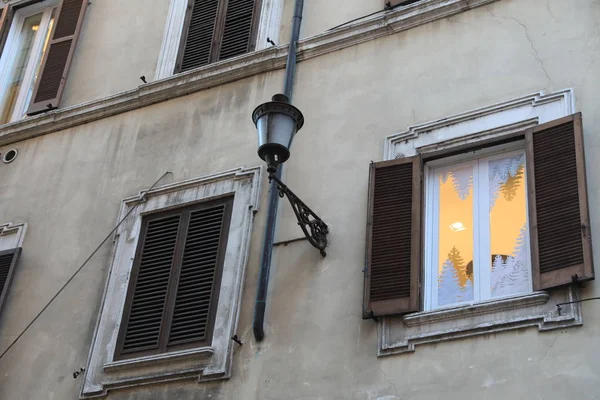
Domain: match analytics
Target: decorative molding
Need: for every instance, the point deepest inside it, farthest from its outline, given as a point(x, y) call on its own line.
point(243, 66)
point(482, 123)
point(396, 336)
point(103, 373)
point(271, 14)
point(481, 308)
point(167, 58)
point(201, 353)
point(12, 235)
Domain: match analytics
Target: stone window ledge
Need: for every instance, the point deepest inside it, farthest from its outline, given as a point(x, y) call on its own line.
point(399, 335)
point(203, 353)
point(480, 308)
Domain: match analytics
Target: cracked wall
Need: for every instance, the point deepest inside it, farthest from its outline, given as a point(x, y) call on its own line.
point(68, 185)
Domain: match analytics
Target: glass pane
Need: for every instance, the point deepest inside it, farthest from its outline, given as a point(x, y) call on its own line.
point(510, 270)
point(29, 30)
point(455, 249)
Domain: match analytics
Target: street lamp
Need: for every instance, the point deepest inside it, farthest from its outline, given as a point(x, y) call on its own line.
point(276, 123)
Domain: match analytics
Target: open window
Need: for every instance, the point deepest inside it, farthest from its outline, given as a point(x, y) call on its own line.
point(37, 43)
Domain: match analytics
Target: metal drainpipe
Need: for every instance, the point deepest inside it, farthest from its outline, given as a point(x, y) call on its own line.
point(269, 235)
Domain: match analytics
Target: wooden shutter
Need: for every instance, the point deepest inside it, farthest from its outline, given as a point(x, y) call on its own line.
point(393, 238)
point(217, 29)
point(51, 82)
point(6, 13)
point(8, 261)
point(558, 206)
point(197, 42)
point(197, 295)
point(153, 266)
point(238, 33)
point(173, 293)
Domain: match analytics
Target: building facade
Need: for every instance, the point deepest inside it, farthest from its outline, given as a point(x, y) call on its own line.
point(451, 147)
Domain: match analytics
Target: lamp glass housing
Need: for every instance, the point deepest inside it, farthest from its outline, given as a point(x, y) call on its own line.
point(276, 123)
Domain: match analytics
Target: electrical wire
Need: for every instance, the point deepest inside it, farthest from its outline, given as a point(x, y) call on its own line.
point(141, 200)
point(559, 305)
point(387, 8)
point(357, 19)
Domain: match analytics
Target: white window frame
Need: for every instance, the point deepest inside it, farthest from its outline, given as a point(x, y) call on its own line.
point(9, 54)
point(481, 239)
point(206, 363)
point(12, 235)
point(268, 27)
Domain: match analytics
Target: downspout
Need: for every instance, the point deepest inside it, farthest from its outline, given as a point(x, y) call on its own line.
point(269, 235)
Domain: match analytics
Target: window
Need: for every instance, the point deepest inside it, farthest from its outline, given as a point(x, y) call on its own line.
point(477, 235)
point(21, 60)
point(532, 149)
point(201, 32)
point(35, 60)
point(174, 288)
point(483, 215)
point(216, 30)
point(11, 241)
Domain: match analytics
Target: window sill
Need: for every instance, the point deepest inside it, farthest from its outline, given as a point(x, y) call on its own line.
point(203, 353)
point(480, 308)
point(397, 335)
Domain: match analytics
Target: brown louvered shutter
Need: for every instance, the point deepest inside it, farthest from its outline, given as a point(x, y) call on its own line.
point(393, 238)
point(152, 271)
point(238, 29)
point(197, 295)
point(8, 262)
point(558, 205)
point(173, 294)
point(51, 82)
point(215, 30)
point(6, 13)
point(197, 42)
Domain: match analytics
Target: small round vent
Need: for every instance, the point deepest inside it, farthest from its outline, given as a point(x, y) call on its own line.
point(9, 156)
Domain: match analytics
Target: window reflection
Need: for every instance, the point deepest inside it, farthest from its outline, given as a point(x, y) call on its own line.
point(26, 39)
point(510, 272)
point(455, 252)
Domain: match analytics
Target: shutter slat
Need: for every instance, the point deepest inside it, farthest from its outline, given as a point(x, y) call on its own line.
point(56, 62)
point(153, 274)
point(69, 15)
point(558, 204)
point(197, 290)
point(237, 31)
point(198, 42)
point(393, 230)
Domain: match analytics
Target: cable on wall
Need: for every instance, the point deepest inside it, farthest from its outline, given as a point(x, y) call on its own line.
point(140, 201)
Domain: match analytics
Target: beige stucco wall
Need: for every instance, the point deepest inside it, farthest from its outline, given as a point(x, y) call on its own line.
point(132, 33)
point(68, 186)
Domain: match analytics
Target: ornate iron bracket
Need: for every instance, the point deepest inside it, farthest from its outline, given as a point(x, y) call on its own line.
point(314, 229)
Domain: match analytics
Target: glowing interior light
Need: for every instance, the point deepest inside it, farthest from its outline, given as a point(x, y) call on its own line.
point(35, 27)
point(457, 227)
